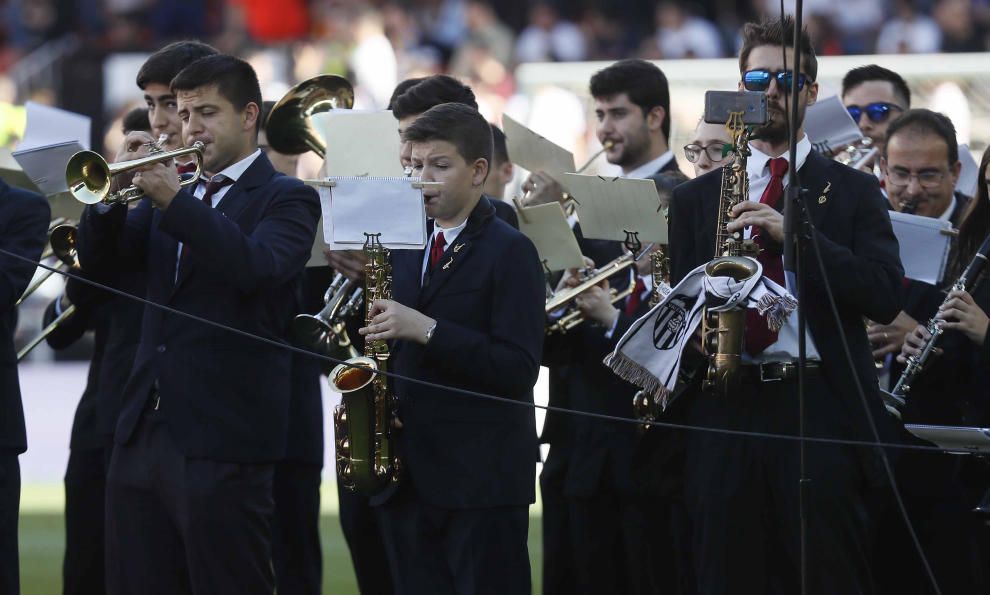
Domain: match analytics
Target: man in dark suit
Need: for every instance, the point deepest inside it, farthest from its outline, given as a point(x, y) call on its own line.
point(466, 313)
point(189, 490)
point(24, 218)
point(742, 493)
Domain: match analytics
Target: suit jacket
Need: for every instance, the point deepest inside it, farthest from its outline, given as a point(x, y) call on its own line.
point(116, 325)
point(224, 396)
point(860, 256)
point(24, 218)
point(487, 297)
point(504, 211)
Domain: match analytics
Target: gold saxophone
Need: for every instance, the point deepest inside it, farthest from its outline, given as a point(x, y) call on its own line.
point(366, 459)
point(645, 406)
point(723, 332)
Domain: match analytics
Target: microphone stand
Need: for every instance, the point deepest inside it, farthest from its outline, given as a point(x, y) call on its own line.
point(794, 230)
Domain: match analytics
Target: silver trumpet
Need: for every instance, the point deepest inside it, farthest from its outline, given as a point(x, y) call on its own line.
point(326, 332)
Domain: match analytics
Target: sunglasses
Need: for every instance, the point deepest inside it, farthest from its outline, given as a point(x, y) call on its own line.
point(759, 80)
point(715, 151)
point(876, 112)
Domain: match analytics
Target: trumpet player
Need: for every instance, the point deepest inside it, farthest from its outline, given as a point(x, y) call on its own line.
point(24, 218)
point(742, 492)
point(467, 312)
point(875, 97)
point(189, 488)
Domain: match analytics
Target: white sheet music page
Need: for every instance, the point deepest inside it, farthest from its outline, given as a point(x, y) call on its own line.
point(829, 126)
point(924, 245)
point(360, 143)
point(392, 207)
point(610, 207)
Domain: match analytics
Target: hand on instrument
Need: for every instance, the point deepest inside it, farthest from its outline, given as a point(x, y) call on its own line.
point(541, 189)
point(888, 338)
point(961, 313)
point(914, 342)
point(349, 263)
point(392, 320)
point(136, 144)
point(572, 277)
point(756, 214)
point(160, 183)
point(596, 304)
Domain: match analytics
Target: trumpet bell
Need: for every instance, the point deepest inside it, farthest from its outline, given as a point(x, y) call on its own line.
point(289, 129)
point(88, 177)
point(318, 335)
point(63, 242)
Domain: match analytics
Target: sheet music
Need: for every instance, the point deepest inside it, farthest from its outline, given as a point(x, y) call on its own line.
point(534, 153)
point(969, 174)
point(354, 206)
point(924, 246)
point(51, 126)
point(608, 207)
point(546, 226)
point(360, 143)
point(829, 126)
point(46, 165)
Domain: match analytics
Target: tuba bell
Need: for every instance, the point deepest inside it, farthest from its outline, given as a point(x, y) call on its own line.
point(289, 128)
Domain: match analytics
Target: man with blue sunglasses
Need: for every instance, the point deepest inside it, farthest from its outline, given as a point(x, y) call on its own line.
point(742, 492)
point(875, 97)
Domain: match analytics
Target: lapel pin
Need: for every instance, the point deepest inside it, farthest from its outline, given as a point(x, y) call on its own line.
point(824, 196)
point(449, 262)
point(458, 247)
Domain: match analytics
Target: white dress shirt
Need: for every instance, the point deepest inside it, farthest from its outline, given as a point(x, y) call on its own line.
point(650, 167)
point(449, 237)
point(786, 347)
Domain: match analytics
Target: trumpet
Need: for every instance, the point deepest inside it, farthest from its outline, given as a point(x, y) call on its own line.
point(62, 240)
point(565, 298)
point(325, 331)
point(89, 176)
point(289, 127)
point(856, 154)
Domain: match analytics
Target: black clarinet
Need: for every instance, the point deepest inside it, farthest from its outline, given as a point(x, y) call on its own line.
point(916, 363)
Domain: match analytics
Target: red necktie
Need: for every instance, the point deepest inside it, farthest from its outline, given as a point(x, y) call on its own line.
point(758, 335)
point(436, 251)
point(212, 187)
point(186, 168)
point(636, 297)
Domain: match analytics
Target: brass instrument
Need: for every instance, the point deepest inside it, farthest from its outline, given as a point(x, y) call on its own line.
point(366, 459)
point(856, 154)
point(62, 240)
point(565, 298)
point(916, 364)
point(65, 315)
point(89, 176)
point(645, 407)
point(723, 332)
point(49, 251)
point(326, 332)
point(289, 128)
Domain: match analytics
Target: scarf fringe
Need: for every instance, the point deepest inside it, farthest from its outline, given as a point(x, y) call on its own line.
point(630, 371)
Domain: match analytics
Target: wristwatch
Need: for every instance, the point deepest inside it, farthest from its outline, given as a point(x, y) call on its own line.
point(429, 332)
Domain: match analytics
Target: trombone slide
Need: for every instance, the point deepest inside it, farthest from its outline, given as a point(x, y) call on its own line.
point(65, 315)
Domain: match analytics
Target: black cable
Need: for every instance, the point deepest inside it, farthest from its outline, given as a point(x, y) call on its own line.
point(471, 393)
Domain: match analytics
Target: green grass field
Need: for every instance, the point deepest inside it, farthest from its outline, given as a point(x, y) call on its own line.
point(42, 537)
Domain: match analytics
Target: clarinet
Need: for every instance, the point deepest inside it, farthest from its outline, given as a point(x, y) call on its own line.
point(916, 363)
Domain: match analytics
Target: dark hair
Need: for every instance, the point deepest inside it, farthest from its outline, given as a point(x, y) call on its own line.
point(975, 225)
point(500, 151)
point(644, 84)
point(266, 108)
point(402, 88)
point(872, 72)
point(457, 124)
point(136, 120)
point(927, 122)
point(430, 92)
point(162, 66)
point(780, 33)
point(234, 79)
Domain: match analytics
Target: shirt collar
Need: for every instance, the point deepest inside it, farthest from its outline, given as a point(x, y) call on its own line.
point(236, 170)
point(948, 212)
point(449, 234)
point(758, 160)
point(651, 167)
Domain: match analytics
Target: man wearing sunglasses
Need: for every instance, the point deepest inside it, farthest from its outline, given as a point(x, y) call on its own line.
point(743, 492)
point(874, 97)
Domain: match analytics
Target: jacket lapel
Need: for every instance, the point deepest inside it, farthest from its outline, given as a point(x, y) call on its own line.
point(815, 179)
point(233, 203)
point(457, 251)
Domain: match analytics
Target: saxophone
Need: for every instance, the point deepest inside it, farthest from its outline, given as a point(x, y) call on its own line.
point(723, 332)
point(366, 459)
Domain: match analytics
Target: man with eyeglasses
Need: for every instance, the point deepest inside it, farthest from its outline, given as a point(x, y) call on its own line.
point(706, 151)
point(874, 96)
point(744, 493)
